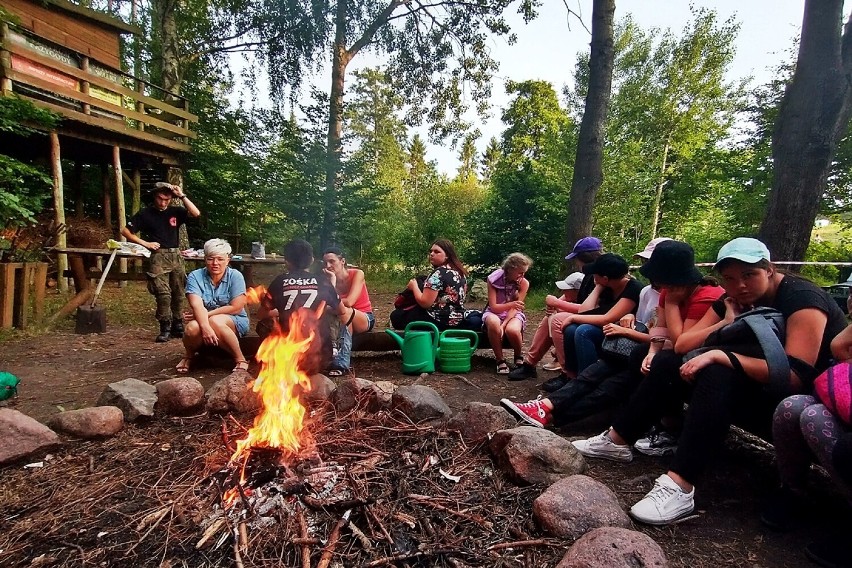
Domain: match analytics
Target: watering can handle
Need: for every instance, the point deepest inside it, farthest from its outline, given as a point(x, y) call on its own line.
point(428, 327)
point(466, 333)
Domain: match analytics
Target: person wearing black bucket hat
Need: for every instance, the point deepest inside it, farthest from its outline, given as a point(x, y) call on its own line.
point(724, 384)
point(672, 263)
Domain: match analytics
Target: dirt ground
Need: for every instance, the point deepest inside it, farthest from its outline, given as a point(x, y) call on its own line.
point(63, 371)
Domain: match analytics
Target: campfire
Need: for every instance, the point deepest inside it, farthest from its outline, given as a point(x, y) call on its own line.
point(309, 487)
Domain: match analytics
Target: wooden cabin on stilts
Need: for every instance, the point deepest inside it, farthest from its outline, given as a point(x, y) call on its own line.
point(66, 58)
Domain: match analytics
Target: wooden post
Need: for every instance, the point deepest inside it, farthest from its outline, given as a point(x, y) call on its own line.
point(119, 204)
point(5, 61)
point(59, 207)
point(7, 293)
point(140, 106)
point(84, 85)
point(107, 195)
point(136, 204)
point(40, 283)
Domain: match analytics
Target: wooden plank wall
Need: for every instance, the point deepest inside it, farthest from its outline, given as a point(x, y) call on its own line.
point(67, 30)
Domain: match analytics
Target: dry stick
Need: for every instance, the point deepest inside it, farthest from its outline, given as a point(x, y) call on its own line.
point(301, 541)
point(160, 517)
point(211, 530)
point(238, 560)
point(376, 520)
point(406, 556)
point(333, 538)
point(78, 548)
point(522, 544)
point(474, 518)
point(303, 532)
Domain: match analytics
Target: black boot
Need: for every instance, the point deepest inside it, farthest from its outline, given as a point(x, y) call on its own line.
point(165, 332)
point(177, 328)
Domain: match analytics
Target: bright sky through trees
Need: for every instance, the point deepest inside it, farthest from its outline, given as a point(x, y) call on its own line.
point(547, 48)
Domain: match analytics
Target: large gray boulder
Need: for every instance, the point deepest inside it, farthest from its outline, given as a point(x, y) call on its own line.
point(531, 455)
point(420, 403)
point(179, 396)
point(573, 506)
point(232, 394)
point(135, 398)
point(21, 436)
point(613, 547)
point(478, 419)
point(94, 422)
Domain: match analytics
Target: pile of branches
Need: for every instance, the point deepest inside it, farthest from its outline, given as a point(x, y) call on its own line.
point(419, 497)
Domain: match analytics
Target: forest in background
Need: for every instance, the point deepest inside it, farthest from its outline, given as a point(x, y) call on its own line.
point(687, 152)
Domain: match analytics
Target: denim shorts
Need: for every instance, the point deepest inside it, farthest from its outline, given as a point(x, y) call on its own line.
point(241, 323)
point(372, 319)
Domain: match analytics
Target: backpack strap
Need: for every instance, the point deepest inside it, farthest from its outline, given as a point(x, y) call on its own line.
point(773, 351)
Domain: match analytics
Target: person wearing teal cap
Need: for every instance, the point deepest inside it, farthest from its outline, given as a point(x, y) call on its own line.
point(723, 385)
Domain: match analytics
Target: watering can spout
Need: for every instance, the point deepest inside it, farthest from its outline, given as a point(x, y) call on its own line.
point(396, 336)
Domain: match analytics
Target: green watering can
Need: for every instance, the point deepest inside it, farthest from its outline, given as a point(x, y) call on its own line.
point(419, 348)
point(455, 348)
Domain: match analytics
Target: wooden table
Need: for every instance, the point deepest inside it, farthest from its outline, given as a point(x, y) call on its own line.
point(245, 264)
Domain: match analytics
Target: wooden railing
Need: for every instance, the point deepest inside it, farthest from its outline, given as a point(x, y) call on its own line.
point(90, 92)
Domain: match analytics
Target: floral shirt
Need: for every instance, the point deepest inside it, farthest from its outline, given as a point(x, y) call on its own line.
point(448, 309)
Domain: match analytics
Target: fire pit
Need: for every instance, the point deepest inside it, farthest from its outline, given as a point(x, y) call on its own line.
point(309, 488)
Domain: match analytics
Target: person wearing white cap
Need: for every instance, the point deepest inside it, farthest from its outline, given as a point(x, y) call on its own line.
point(723, 384)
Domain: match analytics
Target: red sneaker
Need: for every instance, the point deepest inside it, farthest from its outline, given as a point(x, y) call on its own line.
point(533, 412)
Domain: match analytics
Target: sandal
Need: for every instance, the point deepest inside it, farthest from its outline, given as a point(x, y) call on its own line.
point(519, 360)
point(337, 372)
point(241, 366)
point(183, 367)
point(502, 367)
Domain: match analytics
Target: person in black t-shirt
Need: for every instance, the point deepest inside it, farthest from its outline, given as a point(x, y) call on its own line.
point(724, 385)
point(159, 224)
point(299, 290)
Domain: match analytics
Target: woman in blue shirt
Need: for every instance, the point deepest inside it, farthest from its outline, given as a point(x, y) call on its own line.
point(217, 298)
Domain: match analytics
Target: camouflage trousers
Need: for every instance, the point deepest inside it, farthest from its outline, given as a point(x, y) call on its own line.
point(166, 280)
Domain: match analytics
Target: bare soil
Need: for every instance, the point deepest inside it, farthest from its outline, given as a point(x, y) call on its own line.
point(63, 371)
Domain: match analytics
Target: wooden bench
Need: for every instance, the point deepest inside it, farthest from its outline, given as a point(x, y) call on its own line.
point(376, 340)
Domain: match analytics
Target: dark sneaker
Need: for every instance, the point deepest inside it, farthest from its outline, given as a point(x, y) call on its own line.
point(554, 384)
point(657, 442)
point(533, 412)
point(522, 372)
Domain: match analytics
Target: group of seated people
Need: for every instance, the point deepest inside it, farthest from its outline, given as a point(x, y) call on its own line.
point(668, 321)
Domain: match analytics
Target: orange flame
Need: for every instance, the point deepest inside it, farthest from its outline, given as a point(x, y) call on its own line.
point(256, 294)
point(279, 383)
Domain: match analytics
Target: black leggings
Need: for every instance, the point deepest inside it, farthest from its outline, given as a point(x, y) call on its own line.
point(598, 387)
point(719, 397)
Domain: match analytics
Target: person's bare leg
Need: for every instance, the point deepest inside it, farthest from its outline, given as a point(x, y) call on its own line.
point(191, 343)
point(514, 331)
point(557, 322)
point(225, 330)
point(360, 323)
point(495, 335)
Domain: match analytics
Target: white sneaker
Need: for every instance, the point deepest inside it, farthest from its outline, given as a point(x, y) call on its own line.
point(552, 365)
point(601, 446)
point(665, 503)
point(657, 443)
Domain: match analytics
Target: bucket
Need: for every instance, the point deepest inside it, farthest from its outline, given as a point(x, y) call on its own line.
point(455, 348)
